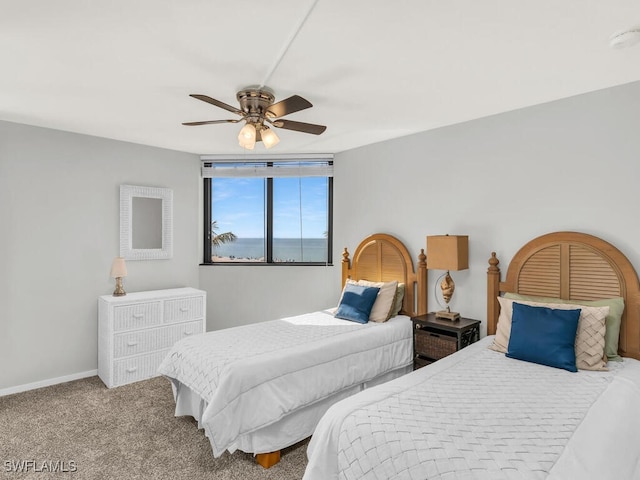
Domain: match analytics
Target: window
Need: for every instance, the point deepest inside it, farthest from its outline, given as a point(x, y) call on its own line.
point(272, 211)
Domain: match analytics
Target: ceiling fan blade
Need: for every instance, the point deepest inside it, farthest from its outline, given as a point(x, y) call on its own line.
point(217, 103)
point(300, 126)
point(210, 122)
point(287, 106)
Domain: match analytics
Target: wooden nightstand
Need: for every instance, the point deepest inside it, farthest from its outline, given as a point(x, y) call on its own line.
point(435, 338)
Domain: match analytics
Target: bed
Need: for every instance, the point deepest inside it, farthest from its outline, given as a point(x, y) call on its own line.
point(480, 414)
point(262, 387)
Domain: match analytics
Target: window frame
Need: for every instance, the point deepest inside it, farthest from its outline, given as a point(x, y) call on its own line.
point(268, 211)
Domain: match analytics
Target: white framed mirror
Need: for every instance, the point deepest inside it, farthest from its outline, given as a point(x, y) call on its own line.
point(146, 222)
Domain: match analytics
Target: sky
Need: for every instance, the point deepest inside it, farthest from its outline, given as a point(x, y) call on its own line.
point(238, 206)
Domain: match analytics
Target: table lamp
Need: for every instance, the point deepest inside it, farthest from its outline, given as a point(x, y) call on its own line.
point(118, 270)
point(447, 252)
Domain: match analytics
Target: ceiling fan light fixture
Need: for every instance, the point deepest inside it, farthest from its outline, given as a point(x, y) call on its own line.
point(247, 136)
point(257, 107)
point(269, 137)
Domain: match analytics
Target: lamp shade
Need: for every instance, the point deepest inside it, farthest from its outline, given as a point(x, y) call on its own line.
point(247, 136)
point(118, 268)
point(269, 137)
point(448, 252)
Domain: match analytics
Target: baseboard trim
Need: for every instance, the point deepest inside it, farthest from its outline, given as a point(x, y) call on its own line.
point(47, 383)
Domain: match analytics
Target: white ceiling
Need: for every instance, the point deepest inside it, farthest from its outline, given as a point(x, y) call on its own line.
point(374, 69)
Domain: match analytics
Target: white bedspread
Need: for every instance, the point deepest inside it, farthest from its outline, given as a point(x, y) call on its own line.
point(480, 415)
point(251, 376)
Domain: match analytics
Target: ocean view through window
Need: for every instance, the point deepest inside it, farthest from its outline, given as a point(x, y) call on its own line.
point(277, 211)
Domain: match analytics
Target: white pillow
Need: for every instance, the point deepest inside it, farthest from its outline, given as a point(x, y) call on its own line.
point(382, 307)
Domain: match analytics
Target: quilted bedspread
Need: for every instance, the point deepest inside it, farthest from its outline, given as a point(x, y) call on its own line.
point(251, 376)
point(480, 415)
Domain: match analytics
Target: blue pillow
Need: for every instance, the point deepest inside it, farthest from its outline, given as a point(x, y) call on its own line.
point(544, 335)
point(357, 302)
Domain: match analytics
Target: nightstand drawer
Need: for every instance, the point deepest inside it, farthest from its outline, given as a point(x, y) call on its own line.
point(142, 341)
point(435, 338)
point(434, 345)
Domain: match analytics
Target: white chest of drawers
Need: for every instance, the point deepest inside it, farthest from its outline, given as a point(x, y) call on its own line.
point(136, 331)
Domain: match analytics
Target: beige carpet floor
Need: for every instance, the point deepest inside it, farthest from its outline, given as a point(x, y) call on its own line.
point(128, 432)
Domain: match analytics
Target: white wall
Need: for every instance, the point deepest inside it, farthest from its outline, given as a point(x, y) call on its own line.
point(59, 231)
point(568, 165)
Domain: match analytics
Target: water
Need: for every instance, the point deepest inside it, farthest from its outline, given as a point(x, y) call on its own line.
point(284, 250)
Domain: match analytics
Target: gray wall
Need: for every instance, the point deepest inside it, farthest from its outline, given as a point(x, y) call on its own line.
point(240, 295)
point(572, 164)
point(503, 180)
point(59, 221)
point(566, 165)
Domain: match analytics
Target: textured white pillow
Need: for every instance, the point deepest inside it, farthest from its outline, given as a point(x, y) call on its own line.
point(382, 307)
point(589, 338)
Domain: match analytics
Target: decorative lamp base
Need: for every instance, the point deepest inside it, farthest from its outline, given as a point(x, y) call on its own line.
point(119, 291)
point(453, 316)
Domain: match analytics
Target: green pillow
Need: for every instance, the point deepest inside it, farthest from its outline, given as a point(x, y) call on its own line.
point(613, 320)
point(397, 305)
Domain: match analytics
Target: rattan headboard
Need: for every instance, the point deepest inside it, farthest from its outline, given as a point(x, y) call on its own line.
point(384, 258)
point(574, 266)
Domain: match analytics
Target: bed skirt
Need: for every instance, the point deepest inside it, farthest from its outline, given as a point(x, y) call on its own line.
point(287, 431)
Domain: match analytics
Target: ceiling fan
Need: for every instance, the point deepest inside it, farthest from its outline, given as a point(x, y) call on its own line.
point(258, 112)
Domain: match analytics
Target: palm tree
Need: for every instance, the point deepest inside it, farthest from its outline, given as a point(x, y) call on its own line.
point(218, 239)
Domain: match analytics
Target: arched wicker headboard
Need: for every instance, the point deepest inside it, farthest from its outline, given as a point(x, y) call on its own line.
point(570, 265)
point(383, 258)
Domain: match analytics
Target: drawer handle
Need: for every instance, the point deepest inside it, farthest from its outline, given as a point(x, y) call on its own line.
point(184, 309)
point(131, 369)
point(132, 344)
point(138, 315)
